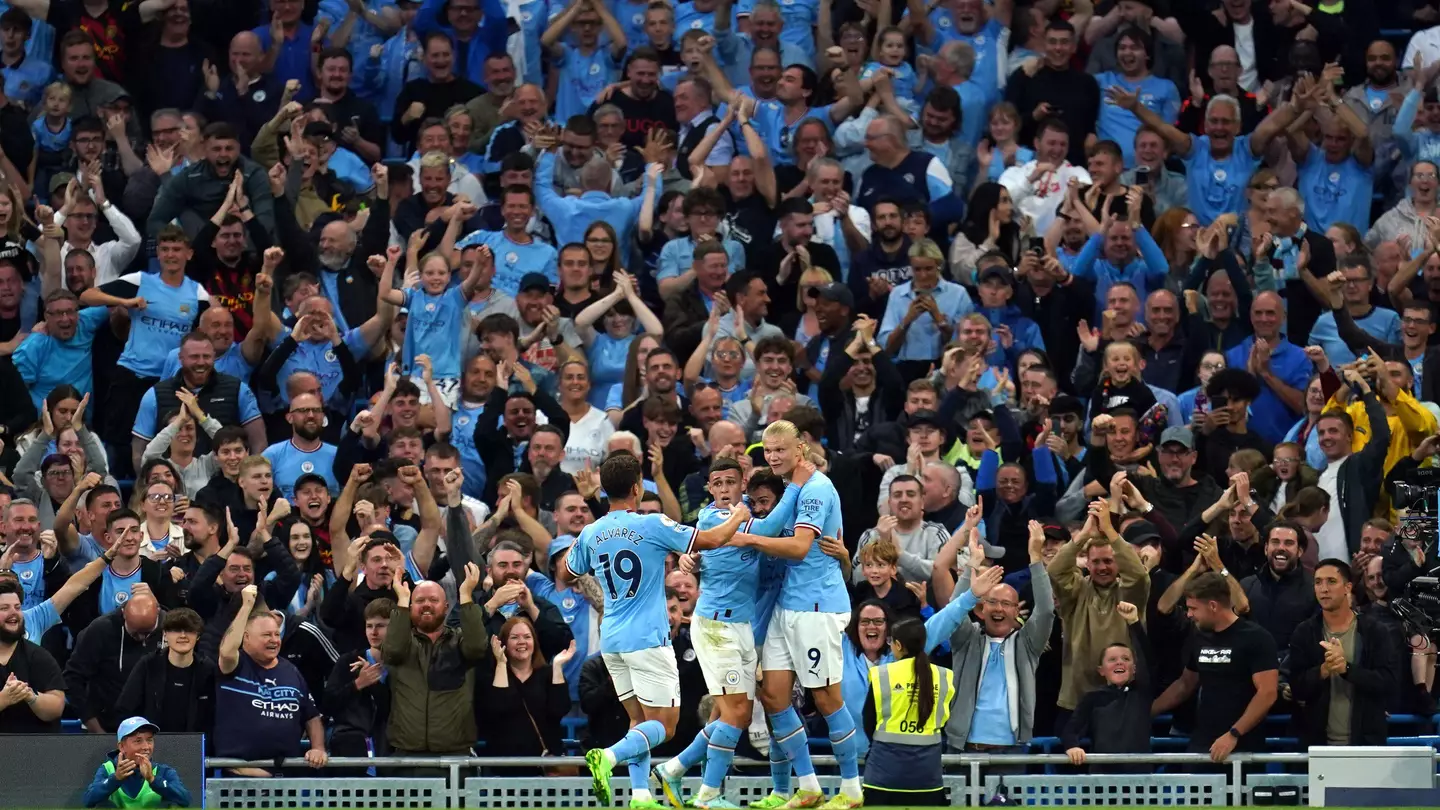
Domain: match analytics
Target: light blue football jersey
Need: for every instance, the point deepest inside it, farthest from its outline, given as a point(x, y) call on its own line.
point(816, 582)
point(732, 573)
point(626, 552)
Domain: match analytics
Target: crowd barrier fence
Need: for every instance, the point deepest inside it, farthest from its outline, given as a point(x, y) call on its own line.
point(472, 782)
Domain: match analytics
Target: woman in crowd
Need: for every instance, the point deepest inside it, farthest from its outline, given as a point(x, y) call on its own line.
point(603, 246)
point(1000, 148)
point(867, 645)
point(314, 574)
point(525, 697)
point(606, 350)
point(989, 227)
point(903, 767)
point(1175, 232)
point(632, 387)
point(177, 443)
point(590, 429)
point(1303, 433)
point(1196, 400)
point(460, 124)
point(163, 538)
point(802, 325)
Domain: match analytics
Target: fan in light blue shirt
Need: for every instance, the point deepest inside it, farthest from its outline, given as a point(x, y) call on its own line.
point(1335, 181)
point(514, 259)
point(45, 360)
point(922, 339)
point(288, 462)
point(171, 307)
point(1118, 124)
point(587, 66)
point(571, 216)
point(1382, 324)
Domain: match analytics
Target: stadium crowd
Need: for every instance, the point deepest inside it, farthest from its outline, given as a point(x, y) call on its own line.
point(319, 320)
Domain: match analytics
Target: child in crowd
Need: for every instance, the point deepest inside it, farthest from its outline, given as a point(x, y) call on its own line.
point(1116, 717)
point(52, 135)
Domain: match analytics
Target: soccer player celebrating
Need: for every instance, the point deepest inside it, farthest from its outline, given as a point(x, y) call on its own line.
point(804, 637)
point(721, 630)
point(626, 551)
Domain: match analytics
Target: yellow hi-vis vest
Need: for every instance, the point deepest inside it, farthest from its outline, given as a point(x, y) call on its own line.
point(897, 711)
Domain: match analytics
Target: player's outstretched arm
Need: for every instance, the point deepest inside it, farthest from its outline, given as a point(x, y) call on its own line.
point(791, 548)
point(717, 536)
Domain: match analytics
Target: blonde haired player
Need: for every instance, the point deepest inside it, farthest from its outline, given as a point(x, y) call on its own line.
point(804, 641)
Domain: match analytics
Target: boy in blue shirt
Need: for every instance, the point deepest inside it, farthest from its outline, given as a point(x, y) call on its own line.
point(163, 308)
point(626, 551)
point(586, 67)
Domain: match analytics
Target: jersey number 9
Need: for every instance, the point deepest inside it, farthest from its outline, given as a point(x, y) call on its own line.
point(627, 567)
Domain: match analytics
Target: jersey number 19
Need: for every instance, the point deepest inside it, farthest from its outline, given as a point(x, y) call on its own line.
point(627, 567)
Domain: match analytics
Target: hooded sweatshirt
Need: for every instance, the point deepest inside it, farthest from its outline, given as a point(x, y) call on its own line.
point(104, 655)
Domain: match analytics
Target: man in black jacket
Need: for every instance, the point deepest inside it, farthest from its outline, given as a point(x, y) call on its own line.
point(501, 443)
point(1281, 595)
point(105, 654)
point(340, 260)
point(172, 685)
point(215, 588)
point(221, 396)
point(1180, 492)
point(347, 601)
point(1342, 666)
point(872, 374)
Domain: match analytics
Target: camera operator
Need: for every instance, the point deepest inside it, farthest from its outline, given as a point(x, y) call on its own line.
point(1409, 556)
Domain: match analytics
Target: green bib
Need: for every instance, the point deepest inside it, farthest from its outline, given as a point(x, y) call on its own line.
point(147, 798)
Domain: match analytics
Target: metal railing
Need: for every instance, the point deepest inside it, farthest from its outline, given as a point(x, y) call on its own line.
point(967, 779)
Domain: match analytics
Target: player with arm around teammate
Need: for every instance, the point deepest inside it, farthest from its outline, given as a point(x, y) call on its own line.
point(626, 552)
point(722, 632)
point(803, 641)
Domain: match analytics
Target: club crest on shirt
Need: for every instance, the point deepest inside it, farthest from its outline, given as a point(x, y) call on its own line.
point(462, 421)
point(568, 603)
point(732, 678)
point(307, 467)
point(689, 655)
point(512, 257)
point(329, 356)
point(121, 597)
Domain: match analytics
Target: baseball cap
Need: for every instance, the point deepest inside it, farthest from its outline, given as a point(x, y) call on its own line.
point(924, 416)
point(535, 281)
point(132, 725)
point(1179, 435)
point(319, 129)
point(834, 292)
point(1140, 533)
point(999, 271)
point(60, 181)
point(560, 544)
point(992, 552)
point(309, 478)
point(1056, 533)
